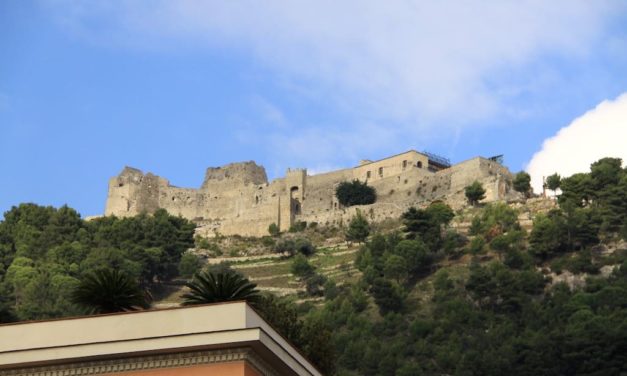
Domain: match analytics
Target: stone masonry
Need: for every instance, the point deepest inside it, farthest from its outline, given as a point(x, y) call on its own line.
point(238, 199)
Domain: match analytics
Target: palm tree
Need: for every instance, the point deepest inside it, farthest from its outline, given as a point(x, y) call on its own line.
point(210, 287)
point(107, 291)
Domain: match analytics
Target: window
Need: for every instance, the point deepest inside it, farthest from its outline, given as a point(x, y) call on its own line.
point(419, 164)
point(367, 174)
point(381, 171)
point(404, 165)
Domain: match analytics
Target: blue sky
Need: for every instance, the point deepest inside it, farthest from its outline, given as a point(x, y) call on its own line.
point(87, 88)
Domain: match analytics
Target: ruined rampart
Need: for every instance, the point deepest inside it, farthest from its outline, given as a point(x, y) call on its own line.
point(238, 199)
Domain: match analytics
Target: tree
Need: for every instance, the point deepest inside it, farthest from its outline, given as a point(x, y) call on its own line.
point(108, 290)
point(208, 287)
point(605, 172)
point(282, 314)
point(427, 224)
point(475, 193)
point(395, 267)
point(416, 222)
point(522, 183)
point(358, 228)
point(496, 218)
point(189, 265)
point(440, 213)
point(503, 244)
point(548, 236)
point(553, 182)
point(576, 189)
point(355, 193)
point(317, 344)
point(387, 296)
point(416, 255)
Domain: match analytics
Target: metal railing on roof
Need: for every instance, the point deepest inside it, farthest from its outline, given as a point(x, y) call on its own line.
point(438, 159)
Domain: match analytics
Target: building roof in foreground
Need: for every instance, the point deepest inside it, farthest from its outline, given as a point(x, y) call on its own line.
point(133, 341)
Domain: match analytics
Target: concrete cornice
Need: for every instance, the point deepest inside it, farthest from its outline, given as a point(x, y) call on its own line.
point(148, 333)
point(148, 363)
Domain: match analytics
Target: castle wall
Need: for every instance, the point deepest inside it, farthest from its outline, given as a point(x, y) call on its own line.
point(237, 198)
point(391, 166)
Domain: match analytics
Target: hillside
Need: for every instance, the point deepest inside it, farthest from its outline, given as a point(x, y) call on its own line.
point(527, 287)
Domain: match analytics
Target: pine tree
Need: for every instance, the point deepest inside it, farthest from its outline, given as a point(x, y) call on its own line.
point(358, 228)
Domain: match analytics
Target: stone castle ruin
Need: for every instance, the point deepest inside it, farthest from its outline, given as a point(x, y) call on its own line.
point(238, 199)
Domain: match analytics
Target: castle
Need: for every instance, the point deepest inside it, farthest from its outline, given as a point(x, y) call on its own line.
point(238, 199)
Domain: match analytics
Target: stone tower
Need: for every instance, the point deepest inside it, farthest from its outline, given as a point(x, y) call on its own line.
point(291, 202)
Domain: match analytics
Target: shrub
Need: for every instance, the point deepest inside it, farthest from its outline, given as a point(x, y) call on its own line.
point(314, 283)
point(582, 263)
point(189, 265)
point(299, 226)
point(267, 241)
point(331, 290)
point(515, 259)
point(273, 230)
point(304, 247)
point(285, 246)
point(355, 193)
point(477, 245)
point(202, 243)
point(292, 246)
point(301, 267)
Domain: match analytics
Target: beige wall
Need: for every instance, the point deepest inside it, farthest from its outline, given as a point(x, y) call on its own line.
point(391, 166)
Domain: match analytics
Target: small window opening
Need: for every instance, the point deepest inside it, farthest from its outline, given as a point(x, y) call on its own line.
point(404, 165)
point(368, 174)
point(419, 164)
point(381, 171)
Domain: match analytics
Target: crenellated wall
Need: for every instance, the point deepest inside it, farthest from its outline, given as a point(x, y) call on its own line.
point(238, 199)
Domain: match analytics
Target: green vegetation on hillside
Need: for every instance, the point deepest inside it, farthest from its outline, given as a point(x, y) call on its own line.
point(411, 315)
point(428, 297)
point(46, 252)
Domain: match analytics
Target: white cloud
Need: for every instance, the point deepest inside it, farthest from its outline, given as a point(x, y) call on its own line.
point(600, 132)
point(420, 62)
point(424, 69)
